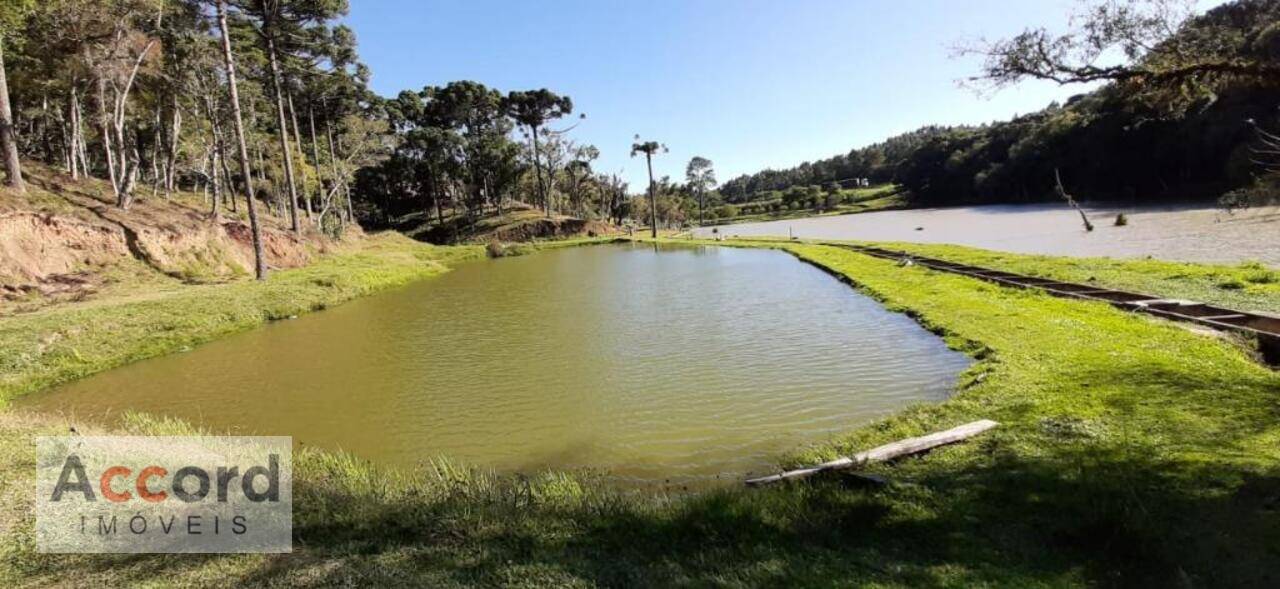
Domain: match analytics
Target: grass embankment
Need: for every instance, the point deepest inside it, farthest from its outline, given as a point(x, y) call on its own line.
point(885, 197)
point(1132, 452)
point(69, 341)
point(517, 223)
point(1250, 286)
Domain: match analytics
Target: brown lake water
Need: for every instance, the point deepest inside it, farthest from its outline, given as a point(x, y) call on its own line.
point(653, 364)
point(1181, 233)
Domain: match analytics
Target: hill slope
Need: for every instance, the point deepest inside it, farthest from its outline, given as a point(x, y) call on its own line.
point(65, 240)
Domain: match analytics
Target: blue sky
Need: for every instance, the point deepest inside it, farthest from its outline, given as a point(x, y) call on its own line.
point(749, 84)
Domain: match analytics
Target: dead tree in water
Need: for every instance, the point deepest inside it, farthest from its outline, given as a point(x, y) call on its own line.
point(1062, 192)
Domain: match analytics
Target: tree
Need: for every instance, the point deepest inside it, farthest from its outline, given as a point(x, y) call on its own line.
point(578, 175)
point(281, 20)
point(701, 177)
point(533, 109)
point(615, 197)
point(366, 143)
point(649, 148)
point(1167, 59)
point(259, 257)
point(11, 17)
point(473, 114)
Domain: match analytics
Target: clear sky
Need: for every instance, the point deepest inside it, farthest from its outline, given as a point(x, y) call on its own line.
point(750, 84)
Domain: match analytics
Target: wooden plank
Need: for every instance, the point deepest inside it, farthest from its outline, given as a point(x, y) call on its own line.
point(897, 449)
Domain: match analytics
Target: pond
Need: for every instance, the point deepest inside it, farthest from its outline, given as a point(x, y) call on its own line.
point(653, 364)
point(1181, 233)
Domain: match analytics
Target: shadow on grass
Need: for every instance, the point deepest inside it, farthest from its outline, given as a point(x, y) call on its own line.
point(1102, 514)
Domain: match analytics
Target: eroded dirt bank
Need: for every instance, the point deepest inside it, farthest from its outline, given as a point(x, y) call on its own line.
point(66, 240)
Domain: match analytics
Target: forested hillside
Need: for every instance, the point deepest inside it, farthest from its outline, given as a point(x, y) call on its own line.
point(1188, 116)
point(251, 103)
point(266, 100)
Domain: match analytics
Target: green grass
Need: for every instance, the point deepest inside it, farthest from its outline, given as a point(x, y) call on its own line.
point(66, 342)
point(1132, 452)
point(1249, 286)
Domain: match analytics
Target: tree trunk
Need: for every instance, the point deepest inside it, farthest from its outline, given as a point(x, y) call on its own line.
point(73, 116)
point(226, 175)
point(77, 131)
point(701, 197)
point(537, 167)
point(297, 140)
point(653, 197)
point(259, 257)
point(435, 196)
point(333, 159)
point(155, 153)
point(315, 156)
point(171, 165)
point(130, 179)
point(128, 167)
point(104, 125)
point(213, 179)
point(284, 128)
point(351, 207)
point(8, 140)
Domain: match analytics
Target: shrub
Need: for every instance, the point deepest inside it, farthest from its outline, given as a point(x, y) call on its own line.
point(726, 211)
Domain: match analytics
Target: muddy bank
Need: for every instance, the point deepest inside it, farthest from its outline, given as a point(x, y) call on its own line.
point(64, 240)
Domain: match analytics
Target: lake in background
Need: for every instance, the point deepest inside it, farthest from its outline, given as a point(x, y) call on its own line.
point(1192, 234)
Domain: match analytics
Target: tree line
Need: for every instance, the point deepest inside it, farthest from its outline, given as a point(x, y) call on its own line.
point(465, 150)
point(264, 103)
point(1185, 115)
point(457, 152)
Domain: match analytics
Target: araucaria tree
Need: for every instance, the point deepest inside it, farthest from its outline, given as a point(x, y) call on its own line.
point(283, 26)
point(259, 257)
point(533, 109)
point(701, 178)
point(649, 148)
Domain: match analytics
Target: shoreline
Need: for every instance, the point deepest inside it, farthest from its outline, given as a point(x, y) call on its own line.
point(57, 344)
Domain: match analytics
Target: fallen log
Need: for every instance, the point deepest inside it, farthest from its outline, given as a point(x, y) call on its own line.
point(897, 449)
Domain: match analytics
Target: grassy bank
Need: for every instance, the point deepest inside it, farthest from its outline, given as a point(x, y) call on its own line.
point(1132, 452)
point(886, 197)
point(1250, 286)
point(70, 341)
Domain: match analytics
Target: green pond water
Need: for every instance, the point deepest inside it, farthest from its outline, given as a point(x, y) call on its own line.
point(653, 364)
